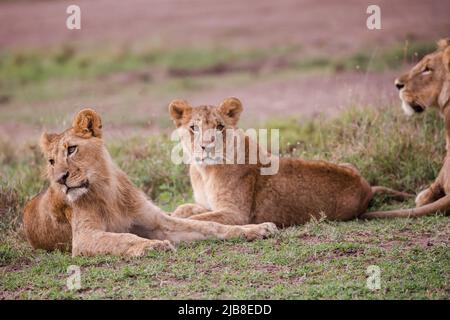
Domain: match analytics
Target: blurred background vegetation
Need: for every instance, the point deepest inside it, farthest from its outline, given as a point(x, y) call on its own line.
point(311, 69)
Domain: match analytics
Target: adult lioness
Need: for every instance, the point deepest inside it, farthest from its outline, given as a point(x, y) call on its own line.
point(239, 194)
point(92, 206)
point(427, 85)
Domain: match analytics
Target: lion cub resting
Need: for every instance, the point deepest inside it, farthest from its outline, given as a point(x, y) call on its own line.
point(92, 206)
point(238, 194)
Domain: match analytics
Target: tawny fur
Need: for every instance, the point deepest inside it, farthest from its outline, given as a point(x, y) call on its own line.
point(238, 193)
point(428, 84)
point(103, 212)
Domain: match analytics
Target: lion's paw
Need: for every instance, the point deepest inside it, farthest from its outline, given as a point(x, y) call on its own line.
point(164, 245)
point(259, 231)
point(150, 245)
point(424, 197)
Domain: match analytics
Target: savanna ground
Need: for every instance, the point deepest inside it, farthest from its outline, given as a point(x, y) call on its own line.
point(331, 97)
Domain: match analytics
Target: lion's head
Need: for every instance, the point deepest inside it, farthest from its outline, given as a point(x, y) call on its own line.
point(427, 84)
point(204, 129)
point(77, 159)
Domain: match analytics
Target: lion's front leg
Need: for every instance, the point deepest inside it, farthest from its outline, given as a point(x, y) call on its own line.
point(229, 217)
point(94, 242)
point(175, 229)
point(435, 191)
point(89, 238)
point(447, 130)
point(187, 210)
point(178, 229)
point(429, 195)
point(424, 197)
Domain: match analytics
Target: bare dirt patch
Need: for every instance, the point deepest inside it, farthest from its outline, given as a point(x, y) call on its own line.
point(307, 95)
point(327, 255)
point(411, 239)
point(320, 25)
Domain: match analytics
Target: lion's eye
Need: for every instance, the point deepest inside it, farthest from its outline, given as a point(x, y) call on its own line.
point(71, 150)
point(426, 70)
point(220, 127)
point(194, 127)
point(51, 161)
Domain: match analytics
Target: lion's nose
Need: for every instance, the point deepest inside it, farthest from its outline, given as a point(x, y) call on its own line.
point(63, 178)
point(399, 84)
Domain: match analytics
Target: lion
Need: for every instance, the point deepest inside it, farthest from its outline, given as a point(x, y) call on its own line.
point(92, 207)
point(237, 193)
point(427, 85)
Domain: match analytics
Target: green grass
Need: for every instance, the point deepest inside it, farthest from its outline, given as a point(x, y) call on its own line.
point(321, 259)
point(33, 75)
point(316, 261)
point(386, 59)
point(25, 67)
point(369, 60)
point(19, 69)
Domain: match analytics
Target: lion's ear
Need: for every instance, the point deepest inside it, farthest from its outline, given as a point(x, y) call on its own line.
point(446, 58)
point(179, 109)
point(87, 123)
point(443, 43)
point(444, 96)
point(46, 141)
point(231, 108)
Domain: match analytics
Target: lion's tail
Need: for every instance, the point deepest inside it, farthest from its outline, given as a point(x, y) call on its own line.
point(441, 205)
point(394, 193)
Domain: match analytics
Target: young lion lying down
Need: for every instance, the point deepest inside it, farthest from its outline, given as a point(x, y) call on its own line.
point(93, 207)
point(238, 194)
